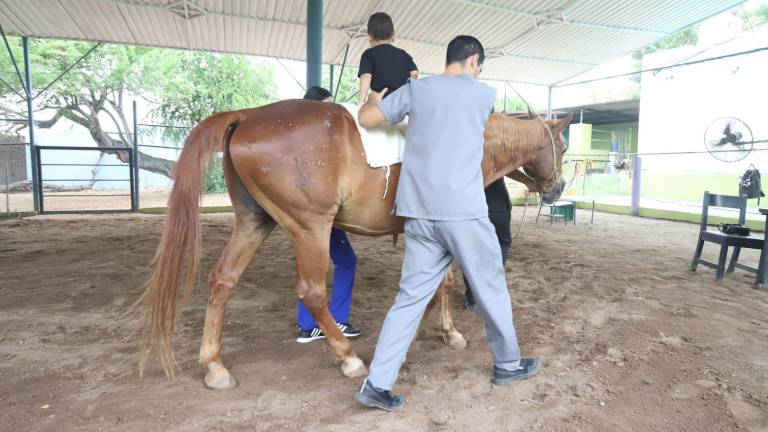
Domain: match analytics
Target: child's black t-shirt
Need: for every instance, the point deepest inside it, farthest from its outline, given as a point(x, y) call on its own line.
point(388, 65)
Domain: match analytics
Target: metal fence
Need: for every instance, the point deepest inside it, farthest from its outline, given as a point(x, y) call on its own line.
point(164, 143)
point(60, 190)
point(15, 174)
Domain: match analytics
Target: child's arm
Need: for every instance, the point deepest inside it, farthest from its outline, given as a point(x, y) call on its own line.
point(365, 85)
point(414, 70)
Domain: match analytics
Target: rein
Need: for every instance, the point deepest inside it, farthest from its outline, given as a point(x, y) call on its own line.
point(554, 172)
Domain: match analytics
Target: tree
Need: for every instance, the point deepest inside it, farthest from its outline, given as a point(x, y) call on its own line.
point(186, 86)
point(689, 36)
point(513, 104)
point(349, 85)
point(755, 17)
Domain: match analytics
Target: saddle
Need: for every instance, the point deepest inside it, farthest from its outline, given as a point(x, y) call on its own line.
point(383, 145)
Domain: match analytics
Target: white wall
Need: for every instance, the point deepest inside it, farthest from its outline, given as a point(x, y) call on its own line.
point(677, 105)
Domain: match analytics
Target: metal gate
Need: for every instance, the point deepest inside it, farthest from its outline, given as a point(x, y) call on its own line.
point(131, 177)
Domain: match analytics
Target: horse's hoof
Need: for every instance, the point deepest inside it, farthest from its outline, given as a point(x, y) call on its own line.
point(222, 382)
point(455, 340)
point(353, 367)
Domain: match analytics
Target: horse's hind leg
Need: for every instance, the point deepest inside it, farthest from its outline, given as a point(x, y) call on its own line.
point(312, 256)
point(251, 229)
point(444, 294)
point(450, 335)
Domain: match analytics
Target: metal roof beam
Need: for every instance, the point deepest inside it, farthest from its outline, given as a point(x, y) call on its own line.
point(355, 31)
point(557, 17)
point(502, 54)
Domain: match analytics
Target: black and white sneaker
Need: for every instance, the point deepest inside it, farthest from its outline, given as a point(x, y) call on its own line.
point(348, 330)
point(307, 336)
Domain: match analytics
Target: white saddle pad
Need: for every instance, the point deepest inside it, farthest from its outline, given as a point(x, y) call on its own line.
point(383, 145)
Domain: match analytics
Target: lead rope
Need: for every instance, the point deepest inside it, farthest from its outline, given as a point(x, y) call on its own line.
point(386, 184)
point(522, 219)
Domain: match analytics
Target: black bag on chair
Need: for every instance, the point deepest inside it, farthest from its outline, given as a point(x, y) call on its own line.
point(750, 184)
point(734, 229)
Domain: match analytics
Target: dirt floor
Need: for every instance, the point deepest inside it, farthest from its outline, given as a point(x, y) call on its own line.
point(631, 339)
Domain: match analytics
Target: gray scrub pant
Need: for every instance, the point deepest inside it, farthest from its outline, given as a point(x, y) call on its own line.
point(430, 246)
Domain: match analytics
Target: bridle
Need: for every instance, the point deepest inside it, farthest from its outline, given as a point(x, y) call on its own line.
point(554, 174)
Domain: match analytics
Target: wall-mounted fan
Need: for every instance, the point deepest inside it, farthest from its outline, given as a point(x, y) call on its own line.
point(728, 139)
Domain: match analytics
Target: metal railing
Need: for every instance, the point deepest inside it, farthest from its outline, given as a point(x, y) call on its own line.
point(132, 163)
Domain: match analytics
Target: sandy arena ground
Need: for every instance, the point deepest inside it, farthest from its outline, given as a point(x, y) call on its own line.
point(631, 339)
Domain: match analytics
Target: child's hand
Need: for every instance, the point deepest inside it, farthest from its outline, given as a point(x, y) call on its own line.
point(376, 97)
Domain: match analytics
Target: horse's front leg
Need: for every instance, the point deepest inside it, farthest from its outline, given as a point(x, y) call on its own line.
point(450, 335)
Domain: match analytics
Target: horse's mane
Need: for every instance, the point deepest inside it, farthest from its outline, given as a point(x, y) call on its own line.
point(508, 139)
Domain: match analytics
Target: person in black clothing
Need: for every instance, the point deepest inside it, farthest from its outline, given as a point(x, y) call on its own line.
point(318, 93)
point(500, 214)
point(383, 65)
point(345, 265)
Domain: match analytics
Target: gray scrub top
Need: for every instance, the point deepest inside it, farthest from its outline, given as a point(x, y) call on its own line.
point(441, 178)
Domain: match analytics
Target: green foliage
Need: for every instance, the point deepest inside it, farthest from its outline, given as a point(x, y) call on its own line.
point(347, 89)
point(214, 180)
point(688, 36)
point(210, 83)
point(184, 86)
point(197, 84)
point(513, 104)
point(755, 17)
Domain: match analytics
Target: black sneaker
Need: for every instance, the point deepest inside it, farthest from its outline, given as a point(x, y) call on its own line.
point(348, 330)
point(373, 397)
point(528, 368)
point(307, 336)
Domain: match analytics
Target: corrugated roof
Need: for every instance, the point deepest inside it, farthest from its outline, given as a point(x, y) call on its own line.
point(533, 41)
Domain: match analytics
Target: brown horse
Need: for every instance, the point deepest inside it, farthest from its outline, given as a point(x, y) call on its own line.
point(299, 164)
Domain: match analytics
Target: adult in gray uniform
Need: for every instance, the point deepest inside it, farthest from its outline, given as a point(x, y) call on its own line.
point(440, 193)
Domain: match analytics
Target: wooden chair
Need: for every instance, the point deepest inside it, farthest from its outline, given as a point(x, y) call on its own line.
point(726, 240)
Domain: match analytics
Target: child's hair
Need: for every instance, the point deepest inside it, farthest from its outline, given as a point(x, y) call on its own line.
point(463, 47)
point(380, 26)
point(317, 93)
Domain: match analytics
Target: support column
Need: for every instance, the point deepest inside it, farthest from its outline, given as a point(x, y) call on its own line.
point(135, 160)
point(31, 126)
point(314, 42)
point(636, 176)
point(549, 103)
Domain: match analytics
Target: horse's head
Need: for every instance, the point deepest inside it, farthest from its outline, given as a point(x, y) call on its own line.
point(545, 168)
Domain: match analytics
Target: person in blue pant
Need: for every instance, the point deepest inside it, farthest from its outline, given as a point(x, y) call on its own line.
point(345, 263)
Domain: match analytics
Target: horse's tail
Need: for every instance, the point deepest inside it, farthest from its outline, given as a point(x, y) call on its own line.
point(180, 242)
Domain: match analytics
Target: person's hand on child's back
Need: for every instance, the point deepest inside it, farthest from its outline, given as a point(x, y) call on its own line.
point(376, 97)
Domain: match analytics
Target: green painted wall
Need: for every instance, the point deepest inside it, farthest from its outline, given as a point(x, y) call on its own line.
point(606, 146)
point(582, 139)
point(679, 187)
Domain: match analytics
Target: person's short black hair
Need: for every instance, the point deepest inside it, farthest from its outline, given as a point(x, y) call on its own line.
point(463, 47)
point(317, 93)
point(380, 26)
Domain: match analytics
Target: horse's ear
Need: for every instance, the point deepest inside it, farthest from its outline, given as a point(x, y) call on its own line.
point(563, 123)
point(531, 114)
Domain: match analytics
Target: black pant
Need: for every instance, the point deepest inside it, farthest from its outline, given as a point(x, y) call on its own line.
point(501, 220)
